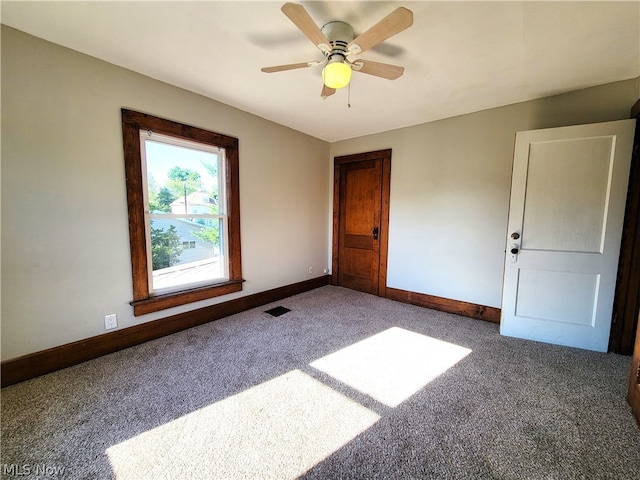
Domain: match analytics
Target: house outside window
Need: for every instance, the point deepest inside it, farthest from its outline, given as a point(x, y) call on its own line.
point(180, 182)
point(182, 191)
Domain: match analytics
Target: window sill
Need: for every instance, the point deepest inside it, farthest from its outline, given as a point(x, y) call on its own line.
point(174, 299)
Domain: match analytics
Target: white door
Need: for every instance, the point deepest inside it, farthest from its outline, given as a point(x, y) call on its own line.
point(568, 194)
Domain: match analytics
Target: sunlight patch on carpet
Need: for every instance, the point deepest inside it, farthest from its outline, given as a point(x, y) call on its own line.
point(278, 429)
point(392, 365)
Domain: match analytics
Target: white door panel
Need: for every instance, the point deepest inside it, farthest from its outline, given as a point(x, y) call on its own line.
point(569, 297)
point(567, 206)
point(566, 215)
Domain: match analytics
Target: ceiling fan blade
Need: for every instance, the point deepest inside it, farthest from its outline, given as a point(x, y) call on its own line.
point(291, 66)
point(397, 21)
point(301, 19)
point(382, 70)
point(327, 91)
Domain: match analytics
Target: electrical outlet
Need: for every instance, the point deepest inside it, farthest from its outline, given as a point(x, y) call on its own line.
point(110, 321)
point(310, 270)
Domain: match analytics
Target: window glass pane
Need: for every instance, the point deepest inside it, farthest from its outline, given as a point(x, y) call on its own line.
point(181, 180)
point(184, 213)
point(185, 252)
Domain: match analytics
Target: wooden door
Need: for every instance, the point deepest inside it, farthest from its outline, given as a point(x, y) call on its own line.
point(361, 200)
point(628, 274)
point(626, 306)
point(565, 222)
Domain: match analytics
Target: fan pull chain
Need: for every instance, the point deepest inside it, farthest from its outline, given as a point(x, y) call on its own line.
point(349, 96)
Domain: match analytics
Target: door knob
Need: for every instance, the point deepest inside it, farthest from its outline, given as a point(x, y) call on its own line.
point(514, 249)
point(375, 233)
point(515, 235)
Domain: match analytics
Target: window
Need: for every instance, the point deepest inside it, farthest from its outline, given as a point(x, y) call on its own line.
point(184, 220)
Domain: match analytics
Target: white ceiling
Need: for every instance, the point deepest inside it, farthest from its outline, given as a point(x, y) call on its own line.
point(459, 57)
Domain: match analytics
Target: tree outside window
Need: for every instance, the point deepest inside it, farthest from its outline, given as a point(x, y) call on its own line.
point(182, 190)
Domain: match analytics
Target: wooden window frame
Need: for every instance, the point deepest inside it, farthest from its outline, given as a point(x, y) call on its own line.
point(143, 301)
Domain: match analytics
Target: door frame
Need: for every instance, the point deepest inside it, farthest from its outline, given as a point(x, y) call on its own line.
point(385, 156)
point(633, 394)
point(626, 304)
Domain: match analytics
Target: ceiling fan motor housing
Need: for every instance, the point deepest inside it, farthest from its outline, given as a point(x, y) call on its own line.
point(339, 34)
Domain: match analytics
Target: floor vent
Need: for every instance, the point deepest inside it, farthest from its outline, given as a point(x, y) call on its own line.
point(277, 311)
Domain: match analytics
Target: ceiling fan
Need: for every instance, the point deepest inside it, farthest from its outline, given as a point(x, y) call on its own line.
point(336, 41)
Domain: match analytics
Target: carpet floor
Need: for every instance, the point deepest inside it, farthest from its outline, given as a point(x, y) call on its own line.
point(344, 385)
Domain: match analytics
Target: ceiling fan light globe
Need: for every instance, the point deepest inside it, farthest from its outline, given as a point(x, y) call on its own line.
point(336, 75)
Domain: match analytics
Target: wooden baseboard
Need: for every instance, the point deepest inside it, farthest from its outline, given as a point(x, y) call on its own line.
point(56, 358)
point(480, 312)
point(633, 397)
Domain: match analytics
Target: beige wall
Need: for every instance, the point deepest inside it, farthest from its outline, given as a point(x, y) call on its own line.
point(65, 250)
point(450, 184)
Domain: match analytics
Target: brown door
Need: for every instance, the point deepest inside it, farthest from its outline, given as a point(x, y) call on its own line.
point(626, 305)
point(362, 217)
